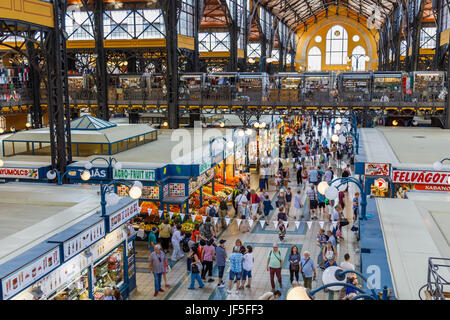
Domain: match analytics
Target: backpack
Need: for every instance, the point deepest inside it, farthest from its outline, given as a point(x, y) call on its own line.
point(185, 244)
point(212, 211)
point(206, 230)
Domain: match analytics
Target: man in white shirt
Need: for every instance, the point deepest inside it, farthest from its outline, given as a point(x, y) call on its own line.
point(241, 202)
point(346, 265)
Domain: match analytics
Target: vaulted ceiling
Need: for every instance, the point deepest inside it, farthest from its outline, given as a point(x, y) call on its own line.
point(302, 12)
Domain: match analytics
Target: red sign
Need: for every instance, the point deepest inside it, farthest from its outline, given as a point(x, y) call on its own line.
point(420, 177)
point(432, 187)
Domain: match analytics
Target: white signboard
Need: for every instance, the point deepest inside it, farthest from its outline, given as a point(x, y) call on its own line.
point(123, 215)
point(19, 173)
point(28, 274)
point(82, 241)
point(134, 174)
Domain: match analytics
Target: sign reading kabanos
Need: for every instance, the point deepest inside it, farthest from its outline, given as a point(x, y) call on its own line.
point(420, 177)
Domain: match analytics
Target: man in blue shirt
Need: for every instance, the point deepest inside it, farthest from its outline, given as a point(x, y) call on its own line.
point(313, 176)
point(308, 270)
point(331, 238)
point(324, 142)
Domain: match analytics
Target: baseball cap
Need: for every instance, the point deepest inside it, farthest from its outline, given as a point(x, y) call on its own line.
point(222, 241)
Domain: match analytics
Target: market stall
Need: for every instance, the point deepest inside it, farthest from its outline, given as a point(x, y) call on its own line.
point(317, 86)
point(221, 86)
point(252, 86)
point(191, 86)
point(387, 86)
point(426, 86)
point(354, 86)
point(285, 87)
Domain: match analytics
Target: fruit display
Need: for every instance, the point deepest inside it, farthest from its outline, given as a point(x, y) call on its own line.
point(187, 227)
point(145, 205)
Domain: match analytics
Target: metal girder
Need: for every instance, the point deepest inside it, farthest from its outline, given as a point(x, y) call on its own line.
point(57, 91)
point(417, 28)
point(35, 110)
point(171, 9)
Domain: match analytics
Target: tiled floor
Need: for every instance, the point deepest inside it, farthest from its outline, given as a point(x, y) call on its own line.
point(261, 239)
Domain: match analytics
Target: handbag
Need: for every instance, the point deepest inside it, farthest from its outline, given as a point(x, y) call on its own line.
point(344, 222)
point(277, 204)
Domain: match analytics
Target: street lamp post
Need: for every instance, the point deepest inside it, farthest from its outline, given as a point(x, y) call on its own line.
point(111, 162)
point(53, 173)
point(333, 278)
point(112, 198)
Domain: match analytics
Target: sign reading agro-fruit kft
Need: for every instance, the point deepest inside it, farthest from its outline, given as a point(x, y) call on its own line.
point(134, 174)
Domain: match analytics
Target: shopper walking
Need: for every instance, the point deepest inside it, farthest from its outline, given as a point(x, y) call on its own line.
point(288, 198)
point(176, 239)
point(207, 258)
point(152, 239)
point(308, 270)
point(221, 256)
point(312, 195)
point(267, 207)
point(164, 234)
point(235, 269)
point(247, 266)
point(156, 265)
point(298, 204)
point(294, 260)
point(346, 265)
point(196, 267)
point(223, 212)
point(274, 265)
point(255, 203)
point(329, 255)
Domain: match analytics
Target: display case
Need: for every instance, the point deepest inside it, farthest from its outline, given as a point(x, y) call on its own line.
point(191, 85)
point(109, 272)
point(317, 86)
point(285, 87)
point(354, 86)
point(220, 86)
point(252, 86)
point(387, 86)
point(428, 86)
point(78, 289)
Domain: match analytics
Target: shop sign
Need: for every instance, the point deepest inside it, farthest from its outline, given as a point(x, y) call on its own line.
point(134, 174)
point(381, 184)
point(83, 240)
point(420, 177)
point(112, 240)
point(431, 187)
point(28, 274)
point(63, 276)
point(377, 169)
point(96, 173)
point(123, 215)
point(19, 173)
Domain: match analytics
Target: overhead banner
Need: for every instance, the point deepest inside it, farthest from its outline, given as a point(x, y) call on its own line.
point(19, 173)
point(420, 177)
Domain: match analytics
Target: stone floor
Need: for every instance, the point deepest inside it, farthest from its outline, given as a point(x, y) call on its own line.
point(262, 240)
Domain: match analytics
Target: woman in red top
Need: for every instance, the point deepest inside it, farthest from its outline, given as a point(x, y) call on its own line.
point(196, 234)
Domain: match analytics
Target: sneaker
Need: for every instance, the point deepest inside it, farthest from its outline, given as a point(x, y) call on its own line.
point(221, 285)
point(161, 290)
point(200, 287)
point(229, 291)
point(211, 280)
point(236, 292)
point(155, 294)
point(167, 285)
point(248, 286)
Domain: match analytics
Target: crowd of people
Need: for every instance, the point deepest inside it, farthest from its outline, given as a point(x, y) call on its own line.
point(314, 157)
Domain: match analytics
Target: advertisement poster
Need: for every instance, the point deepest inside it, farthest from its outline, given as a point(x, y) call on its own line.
point(377, 169)
point(123, 215)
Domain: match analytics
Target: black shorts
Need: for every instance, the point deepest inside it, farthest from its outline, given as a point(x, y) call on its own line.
point(321, 204)
point(313, 204)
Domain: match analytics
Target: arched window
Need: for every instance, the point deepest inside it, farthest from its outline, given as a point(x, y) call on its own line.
point(336, 46)
point(358, 59)
point(314, 59)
